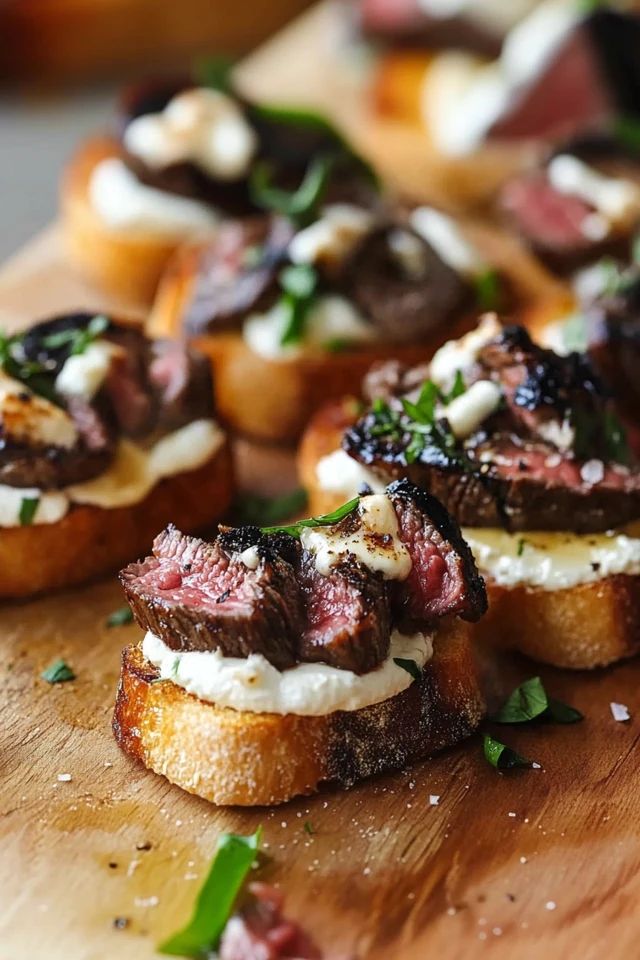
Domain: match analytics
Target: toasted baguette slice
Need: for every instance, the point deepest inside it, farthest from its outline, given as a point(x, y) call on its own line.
point(581, 627)
point(91, 541)
point(251, 759)
point(272, 400)
point(126, 264)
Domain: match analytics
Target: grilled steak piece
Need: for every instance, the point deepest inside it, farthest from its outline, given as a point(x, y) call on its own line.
point(444, 578)
point(202, 596)
point(150, 388)
point(548, 459)
point(236, 273)
point(348, 618)
point(406, 298)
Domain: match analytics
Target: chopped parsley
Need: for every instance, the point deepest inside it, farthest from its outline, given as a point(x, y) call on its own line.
point(120, 617)
point(410, 666)
point(58, 672)
point(299, 284)
point(530, 701)
point(28, 510)
point(502, 757)
point(417, 425)
point(214, 72)
point(521, 545)
point(257, 511)
point(300, 205)
point(488, 289)
point(308, 828)
point(326, 520)
point(231, 866)
point(77, 338)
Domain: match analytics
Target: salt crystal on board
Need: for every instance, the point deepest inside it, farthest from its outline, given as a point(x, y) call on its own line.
point(620, 712)
point(434, 799)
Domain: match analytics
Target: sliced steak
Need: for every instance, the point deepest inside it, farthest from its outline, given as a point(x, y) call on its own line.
point(406, 297)
point(444, 579)
point(196, 595)
point(348, 617)
point(259, 931)
point(547, 460)
point(236, 273)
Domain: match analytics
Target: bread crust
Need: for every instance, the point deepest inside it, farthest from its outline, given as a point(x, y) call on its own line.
point(272, 400)
point(126, 264)
point(89, 541)
point(237, 758)
point(589, 625)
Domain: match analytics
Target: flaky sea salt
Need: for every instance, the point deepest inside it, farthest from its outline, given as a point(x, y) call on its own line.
point(620, 712)
point(434, 799)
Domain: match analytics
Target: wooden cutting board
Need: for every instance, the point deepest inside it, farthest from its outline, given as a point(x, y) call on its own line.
point(538, 863)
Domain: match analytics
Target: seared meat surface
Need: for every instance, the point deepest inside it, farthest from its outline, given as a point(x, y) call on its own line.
point(57, 429)
point(266, 592)
point(550, 456)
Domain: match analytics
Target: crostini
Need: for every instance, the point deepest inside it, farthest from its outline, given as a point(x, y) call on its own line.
point(292, 315)
point(564, 69)
point(276, 660)
point(183, 158)
point(526, 452)
point(105, 436)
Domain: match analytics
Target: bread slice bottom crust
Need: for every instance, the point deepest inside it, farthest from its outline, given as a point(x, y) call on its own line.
point(125, 263)
point(238, 758)
point(589, 625)
point(91, 541)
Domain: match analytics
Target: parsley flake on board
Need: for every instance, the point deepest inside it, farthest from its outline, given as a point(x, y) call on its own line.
point(308, 828)
point(530, 702)
point(120, 617)
point(28, 510)
point(232, 863)
point(58, 672)
point(502, 757)
point(410, 666)
point(326, 520)
point(257, 511)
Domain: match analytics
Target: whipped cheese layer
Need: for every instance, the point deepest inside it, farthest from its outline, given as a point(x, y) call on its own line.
point(308, 689)
point(536, 559)
point(128, 480)
point(125, 203)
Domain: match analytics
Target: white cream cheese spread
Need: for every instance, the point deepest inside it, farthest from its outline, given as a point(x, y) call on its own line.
point(340, 473)
point(445, 236)
point(130, 477)
point(375, 543)
point(201, 126)
point(333, 236)
point(29, 418)
point(616, 200)
point(308, 689)
point(125, 203)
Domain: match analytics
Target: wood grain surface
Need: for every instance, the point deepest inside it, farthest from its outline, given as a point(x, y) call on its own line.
point(538, 863)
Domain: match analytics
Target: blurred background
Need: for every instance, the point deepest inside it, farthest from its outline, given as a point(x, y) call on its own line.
point(61, 62)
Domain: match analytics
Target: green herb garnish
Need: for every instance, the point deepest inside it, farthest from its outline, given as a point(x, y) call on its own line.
point(326, 520)
point(58, 672)
point(336, 345)
point(120, 617)
point(77, 338)
point(502, 757)
point(232, 863)
point(616, 442)
point(299, 284)
point(300, 205)
point(521, 545)
point(488, 289)
point(28, 509)
point(627, 131)
point(308, 828)
point(257, 511)
point(410, 666)
point(14, 363)
point(214, 72)
point(530, 702)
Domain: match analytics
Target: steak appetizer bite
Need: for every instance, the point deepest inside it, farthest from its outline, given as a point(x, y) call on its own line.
point(104, 435)
point(525, 449)
point(585, 202)
point(293, 307)
point(564, 70)
point(278, 659)
point(182, 158)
